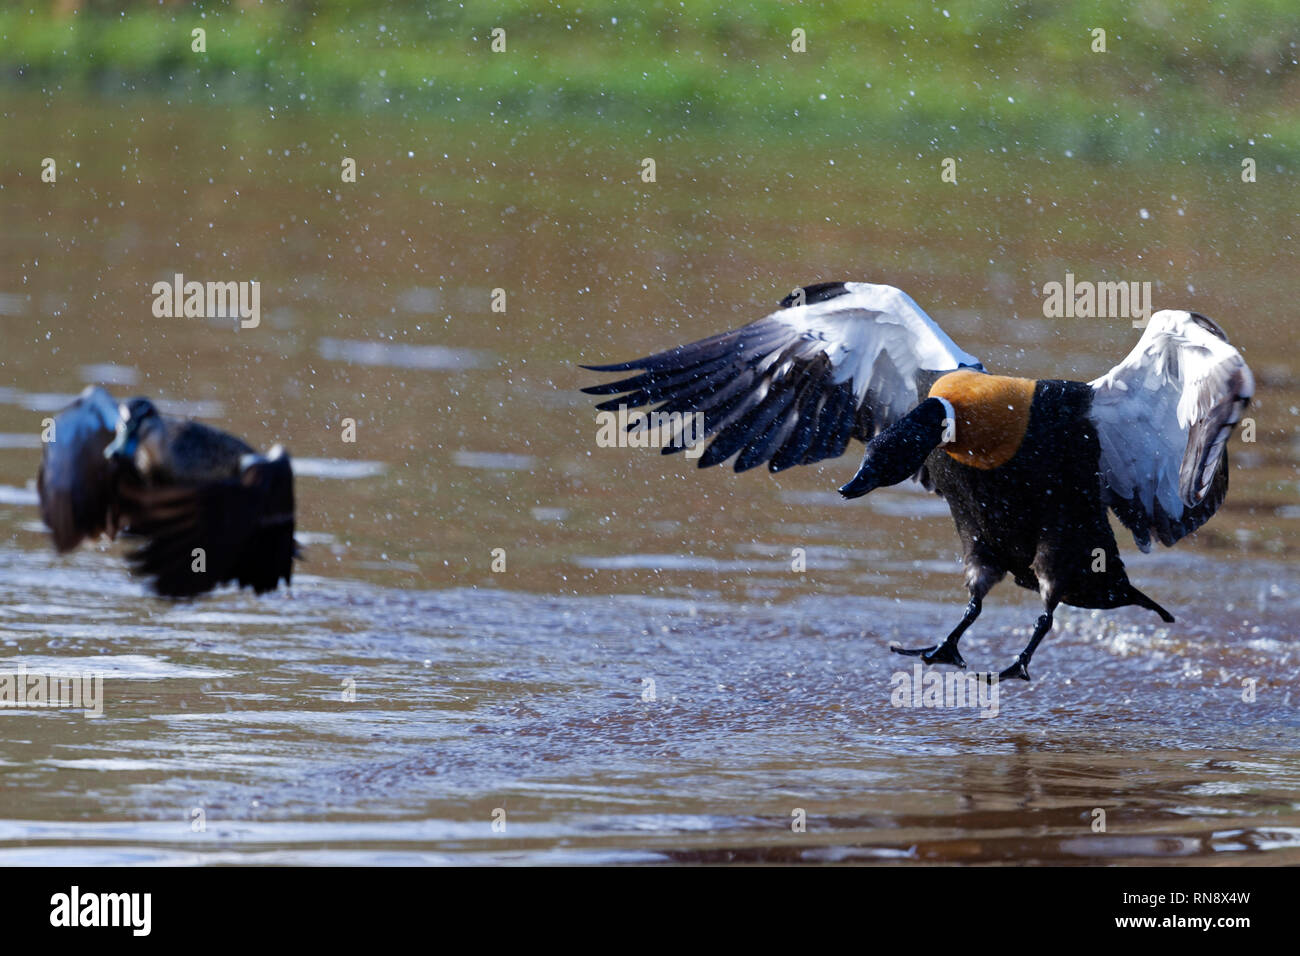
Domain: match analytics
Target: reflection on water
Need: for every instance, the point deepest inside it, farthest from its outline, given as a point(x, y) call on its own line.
point(611, 646)
point(398, 356)
point(470, 700)
point(336, 468)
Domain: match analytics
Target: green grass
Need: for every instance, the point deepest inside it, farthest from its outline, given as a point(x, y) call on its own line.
point(1179, 81)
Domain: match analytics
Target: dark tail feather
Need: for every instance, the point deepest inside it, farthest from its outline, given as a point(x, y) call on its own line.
point(1141, 600)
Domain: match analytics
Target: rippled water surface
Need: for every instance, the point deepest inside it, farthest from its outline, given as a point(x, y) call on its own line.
point(648, 679)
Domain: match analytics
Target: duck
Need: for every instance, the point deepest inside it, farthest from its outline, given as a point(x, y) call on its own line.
point(1029, 468)
point(205, 507)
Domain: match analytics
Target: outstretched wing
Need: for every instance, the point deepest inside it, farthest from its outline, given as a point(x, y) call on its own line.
point(197, 537)
point(839, 360)
point(1163, 417)
point(75, 480)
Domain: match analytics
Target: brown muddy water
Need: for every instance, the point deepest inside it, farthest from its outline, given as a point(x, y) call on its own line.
point(524, 694)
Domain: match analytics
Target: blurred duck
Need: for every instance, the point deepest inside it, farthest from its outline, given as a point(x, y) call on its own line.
point(176, 485)
point(1028, 467)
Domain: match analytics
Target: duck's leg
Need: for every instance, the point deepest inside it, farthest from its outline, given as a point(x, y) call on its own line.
point(981, 574)
point(947, 653)
point(1021, 667)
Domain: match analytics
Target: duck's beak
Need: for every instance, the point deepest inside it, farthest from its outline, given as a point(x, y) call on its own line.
point(866, 480)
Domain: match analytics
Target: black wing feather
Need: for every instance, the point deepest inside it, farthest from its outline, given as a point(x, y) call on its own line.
point(244, 527)
point(838, 362)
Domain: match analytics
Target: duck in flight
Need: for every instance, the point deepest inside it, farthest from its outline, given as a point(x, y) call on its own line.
point(205, 506)
point(1028, 467)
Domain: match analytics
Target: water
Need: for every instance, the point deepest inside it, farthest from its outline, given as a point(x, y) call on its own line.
point(648, 680)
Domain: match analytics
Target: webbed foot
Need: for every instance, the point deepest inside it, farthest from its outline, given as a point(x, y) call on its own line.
point(934, 654)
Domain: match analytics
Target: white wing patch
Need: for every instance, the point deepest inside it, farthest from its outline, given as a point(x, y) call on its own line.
point(1163, 417)
point(877, 338)
point(794, 387)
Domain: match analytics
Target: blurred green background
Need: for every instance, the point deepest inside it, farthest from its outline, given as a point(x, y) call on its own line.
point(1191, 80)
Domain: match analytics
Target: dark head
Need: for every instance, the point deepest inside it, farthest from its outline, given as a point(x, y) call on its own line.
point(138, 419)
point(899, 451)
